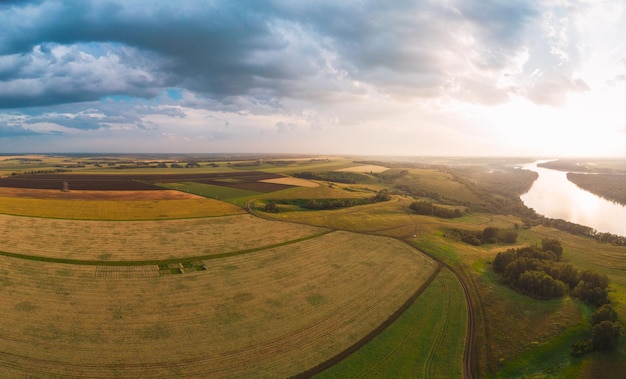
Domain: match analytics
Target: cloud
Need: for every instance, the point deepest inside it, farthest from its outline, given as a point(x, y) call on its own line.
point(10, 131)
point(285, 127)
point(201, 71)
point(69, 51)
point(58, 74)
point(553, 89)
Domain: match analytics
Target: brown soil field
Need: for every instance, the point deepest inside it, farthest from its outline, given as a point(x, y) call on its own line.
point(271, 313)
point(144, 240)
point(95, 195)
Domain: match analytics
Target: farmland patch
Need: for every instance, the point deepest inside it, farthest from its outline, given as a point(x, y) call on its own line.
point(292, 182)
point(126, 271)
point(426, 341)
point(249, 321)
point(365, 168)
point(211, 190)
point(82, 209)
point(94, 195)
point(145, 240)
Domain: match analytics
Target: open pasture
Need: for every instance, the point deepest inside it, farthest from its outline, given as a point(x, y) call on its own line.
point(270, 313)
point(144, 240)
point(427, 182)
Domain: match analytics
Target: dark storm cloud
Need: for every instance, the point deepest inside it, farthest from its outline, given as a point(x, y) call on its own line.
point(222, 50)
point(55, 52)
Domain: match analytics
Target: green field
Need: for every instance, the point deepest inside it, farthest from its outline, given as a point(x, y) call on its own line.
point(211, 191)
point(423, 343)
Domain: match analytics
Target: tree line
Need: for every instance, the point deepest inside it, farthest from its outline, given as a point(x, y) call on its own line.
point(327, 204)
point(427, 208)
point(487, 236)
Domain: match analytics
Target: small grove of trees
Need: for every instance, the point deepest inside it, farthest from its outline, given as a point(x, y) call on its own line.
point(488, 235)
point(427, 208)
point(328, 204)
point(605, 332)
point(537, 272)
point(271, 207)
point(382, 195)
point(321, 204)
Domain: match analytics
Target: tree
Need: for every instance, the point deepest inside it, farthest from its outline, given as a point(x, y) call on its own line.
point(567, 274)
point(509, 236)
point(503, 259)
point(534, 252)
point(553, 245)
point(382, 195)
point(540, 285)
point(604, 313)
point(592, 288)
point(422, 208)
point(271, 207)
point(604, 335)
point(490, 234)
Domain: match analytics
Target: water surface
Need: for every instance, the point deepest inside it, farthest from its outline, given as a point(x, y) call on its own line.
point(552, 195)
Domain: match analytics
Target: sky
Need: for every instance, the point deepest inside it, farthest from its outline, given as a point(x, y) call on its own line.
point(357, 77)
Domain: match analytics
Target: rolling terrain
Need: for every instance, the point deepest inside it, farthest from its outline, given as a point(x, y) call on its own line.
point(199, 276)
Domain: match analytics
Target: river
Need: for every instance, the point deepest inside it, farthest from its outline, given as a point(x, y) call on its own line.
point(552, 195)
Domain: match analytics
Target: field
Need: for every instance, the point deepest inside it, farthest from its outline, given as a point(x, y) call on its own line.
point(423, 343)
point(85, 209)
point(145, 240)
point(273, 312)
point(246, 180)
point(180, 281)
point(365, 168)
